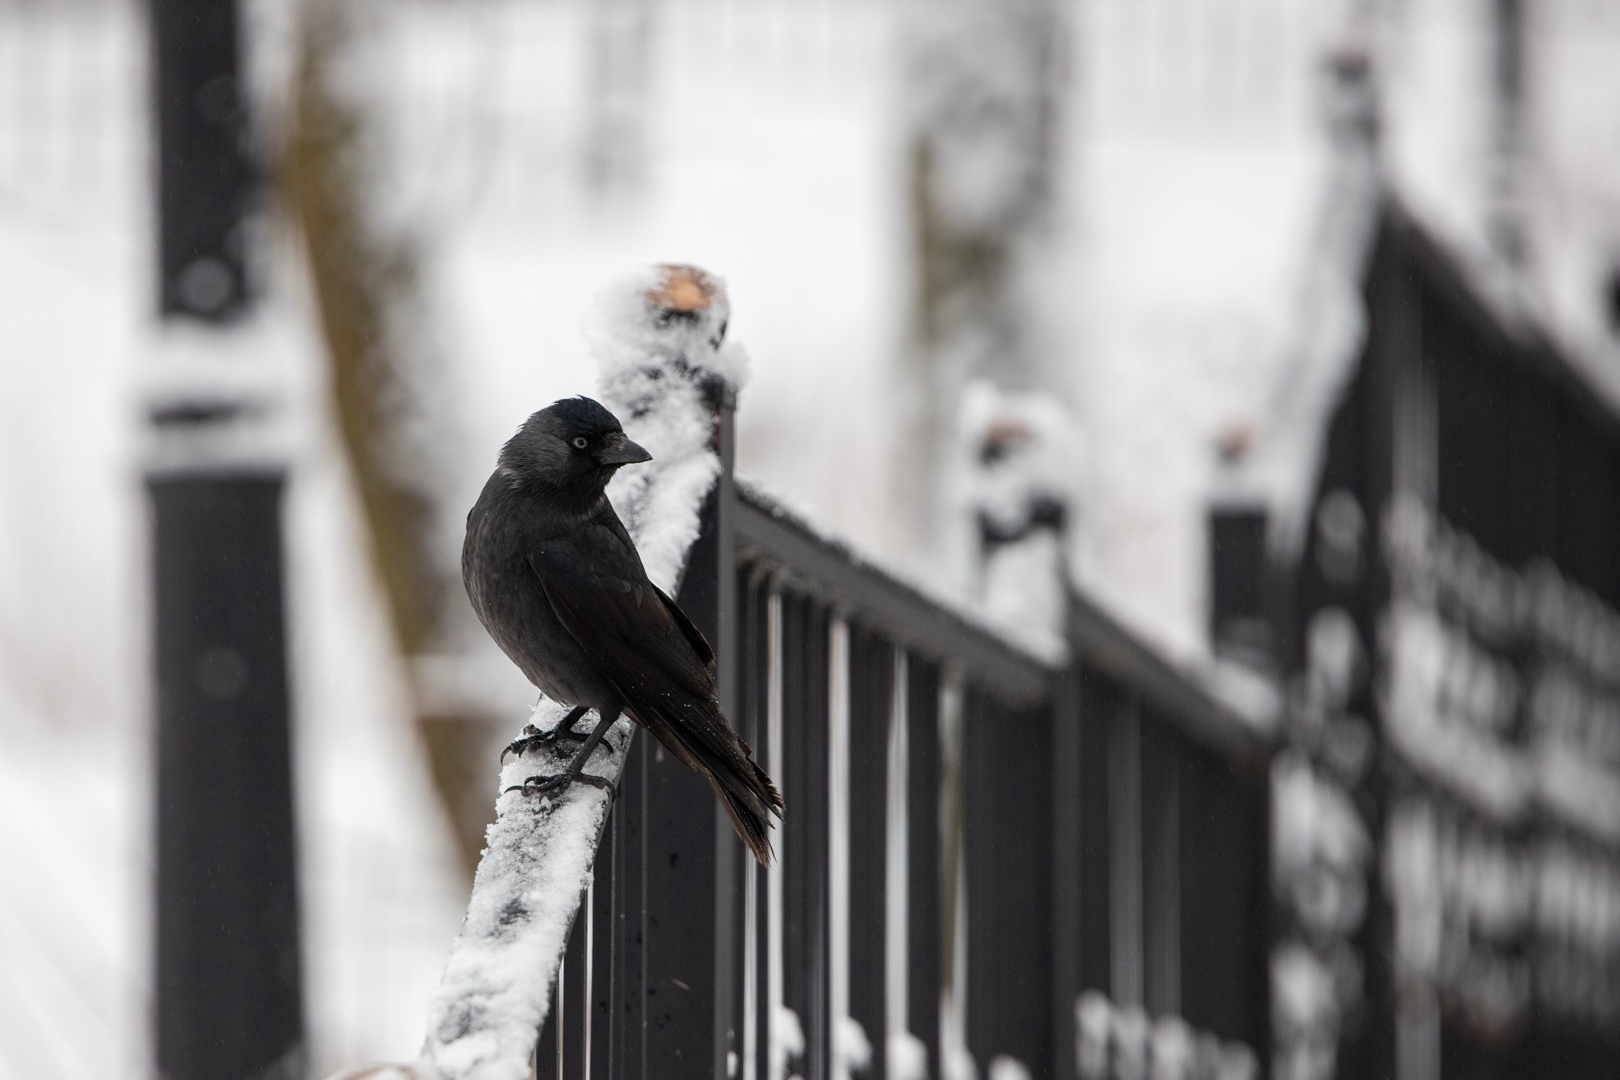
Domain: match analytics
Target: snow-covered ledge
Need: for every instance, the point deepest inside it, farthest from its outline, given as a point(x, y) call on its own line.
point(657, 337)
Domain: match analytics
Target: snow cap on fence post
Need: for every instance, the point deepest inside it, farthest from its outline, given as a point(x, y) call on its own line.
point(665, 369)
point(1018, 456)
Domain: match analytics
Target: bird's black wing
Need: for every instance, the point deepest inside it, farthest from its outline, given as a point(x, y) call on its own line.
point(694, 636)
point(633, 569)
point(657, 661)
point(620, 618)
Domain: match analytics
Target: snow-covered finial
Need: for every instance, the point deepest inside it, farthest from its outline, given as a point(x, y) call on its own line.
point(658, 336)
point(1019, 459)
point(662, 330)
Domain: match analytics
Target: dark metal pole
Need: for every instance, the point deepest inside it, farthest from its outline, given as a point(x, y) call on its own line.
point(228, 999)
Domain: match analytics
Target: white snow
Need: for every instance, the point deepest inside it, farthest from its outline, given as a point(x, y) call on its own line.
point(908, 575)
point(1462, 895)
point(1320, 848)
point(908, 1057)
point(1305, 1011)
point(1015, 452)
point(787, 1039)
point(1123, 1043)
point(1453, 696)
point(651, 375)
point(853, 1048)
point(485, 1016)
point(1007, 1067)
point(1436, 728)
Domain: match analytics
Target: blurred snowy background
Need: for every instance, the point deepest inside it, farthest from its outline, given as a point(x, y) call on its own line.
point(1150, 211)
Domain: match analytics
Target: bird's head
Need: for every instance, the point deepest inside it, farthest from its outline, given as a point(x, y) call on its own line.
point(572, 445)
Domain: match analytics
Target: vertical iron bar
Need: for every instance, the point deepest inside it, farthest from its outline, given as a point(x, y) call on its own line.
point(1006, 852)
point(750, 1018)
point(568, 998)
point(1125, 855)
point(687, 946)
point(1161, 872)
point(1100, 698)
point(751, 685)
point(924, 846)
point(728, 850)
point(776, 1061)
point(838, 754)
point(810, 720)
point(588, 1002)
point(608, 949)
point(626, 1003)
point(804, 731)
point(896, 895)
point(871, 714)
point(1408, 381)
point(953, 1000)
point(1067, 841)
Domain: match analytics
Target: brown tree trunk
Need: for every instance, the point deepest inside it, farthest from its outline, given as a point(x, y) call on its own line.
point(367, 279)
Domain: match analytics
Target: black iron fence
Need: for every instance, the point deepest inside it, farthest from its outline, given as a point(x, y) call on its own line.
point(988, 862)
point(1453, 625)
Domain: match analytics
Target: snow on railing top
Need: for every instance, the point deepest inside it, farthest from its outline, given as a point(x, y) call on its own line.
point(944, 607)
point(658, 338)
point(1191, 693)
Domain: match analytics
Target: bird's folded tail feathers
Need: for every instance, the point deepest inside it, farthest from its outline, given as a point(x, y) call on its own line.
point(743, 788)
point(751, 826)
point(748, 796)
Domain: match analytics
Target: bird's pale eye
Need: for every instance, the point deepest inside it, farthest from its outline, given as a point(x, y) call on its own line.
point(580, 442)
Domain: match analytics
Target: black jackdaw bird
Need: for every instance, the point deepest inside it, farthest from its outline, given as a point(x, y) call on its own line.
point(557, 582)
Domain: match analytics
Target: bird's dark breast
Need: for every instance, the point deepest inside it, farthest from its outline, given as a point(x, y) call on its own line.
point(511, 603)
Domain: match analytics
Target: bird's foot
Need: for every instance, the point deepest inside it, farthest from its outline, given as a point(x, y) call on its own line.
point(533, 738)
point(556, 785)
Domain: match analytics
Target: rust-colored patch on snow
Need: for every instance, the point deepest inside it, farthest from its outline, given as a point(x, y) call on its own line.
point(685, 288)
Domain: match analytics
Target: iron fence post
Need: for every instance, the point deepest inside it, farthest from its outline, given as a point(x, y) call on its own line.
point(228, 1001)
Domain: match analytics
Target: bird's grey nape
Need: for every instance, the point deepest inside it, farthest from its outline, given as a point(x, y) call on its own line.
point(534, 452)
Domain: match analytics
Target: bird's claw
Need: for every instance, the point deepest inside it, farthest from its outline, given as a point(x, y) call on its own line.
point(556, 785)
point(533, 739)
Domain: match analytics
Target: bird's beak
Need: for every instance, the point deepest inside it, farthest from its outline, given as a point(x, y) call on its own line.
point(619, 450)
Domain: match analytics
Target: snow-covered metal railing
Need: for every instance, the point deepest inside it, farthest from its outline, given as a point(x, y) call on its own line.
point(940, 776)
point(665, 370)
